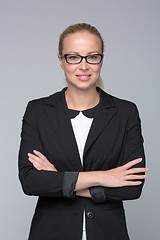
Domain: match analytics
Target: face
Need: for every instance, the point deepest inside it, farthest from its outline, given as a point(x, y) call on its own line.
point(82, 75)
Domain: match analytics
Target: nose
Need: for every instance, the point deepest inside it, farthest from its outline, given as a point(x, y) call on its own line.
point(83, 65)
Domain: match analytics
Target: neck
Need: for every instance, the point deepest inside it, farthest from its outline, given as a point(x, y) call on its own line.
point(80, 99)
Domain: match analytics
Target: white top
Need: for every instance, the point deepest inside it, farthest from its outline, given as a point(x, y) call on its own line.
point(81, 126)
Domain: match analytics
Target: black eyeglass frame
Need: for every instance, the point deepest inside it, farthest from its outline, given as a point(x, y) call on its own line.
point(99, 54)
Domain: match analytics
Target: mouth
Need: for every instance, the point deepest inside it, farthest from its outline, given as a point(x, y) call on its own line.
point(83, 77)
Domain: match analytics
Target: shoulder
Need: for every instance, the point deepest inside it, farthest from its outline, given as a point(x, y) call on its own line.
point(124, 105)
point(119, 103)
point(52, 99)
point(125, 109)
point(36, 107)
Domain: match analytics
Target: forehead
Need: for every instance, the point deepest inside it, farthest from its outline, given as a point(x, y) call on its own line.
point(81, 42)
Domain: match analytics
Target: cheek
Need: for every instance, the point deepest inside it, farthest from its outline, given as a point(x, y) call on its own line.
point(96, 69)
point(69, 69)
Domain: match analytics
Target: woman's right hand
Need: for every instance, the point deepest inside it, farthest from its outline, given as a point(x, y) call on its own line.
point(116, 177)
point(122, 176)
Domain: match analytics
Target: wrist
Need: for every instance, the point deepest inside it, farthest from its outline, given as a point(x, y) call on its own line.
point(84, 193)
point(86, 180)
point(99, 177)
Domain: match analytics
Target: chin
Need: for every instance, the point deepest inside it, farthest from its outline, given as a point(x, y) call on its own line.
point(82, 86)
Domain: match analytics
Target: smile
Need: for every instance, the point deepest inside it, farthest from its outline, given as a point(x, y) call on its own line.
point(83, 77)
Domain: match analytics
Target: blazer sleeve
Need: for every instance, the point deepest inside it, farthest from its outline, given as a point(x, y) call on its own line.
point(133, 148)
point(33, 181)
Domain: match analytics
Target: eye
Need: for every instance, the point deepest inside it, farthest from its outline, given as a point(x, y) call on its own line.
point(93, 57)
point(73, 57)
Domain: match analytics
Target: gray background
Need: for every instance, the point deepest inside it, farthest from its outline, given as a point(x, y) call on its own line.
point(29, 32)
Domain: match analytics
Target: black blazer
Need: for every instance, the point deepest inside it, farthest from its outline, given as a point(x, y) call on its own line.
point(114, 139)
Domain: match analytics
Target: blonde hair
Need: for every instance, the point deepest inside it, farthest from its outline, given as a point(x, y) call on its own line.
point(80, 27)
point(100, 83)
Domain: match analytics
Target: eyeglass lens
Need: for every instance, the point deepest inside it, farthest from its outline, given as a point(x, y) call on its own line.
point(94, 58)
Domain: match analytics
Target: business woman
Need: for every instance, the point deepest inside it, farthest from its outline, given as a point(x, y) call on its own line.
point(81, 149)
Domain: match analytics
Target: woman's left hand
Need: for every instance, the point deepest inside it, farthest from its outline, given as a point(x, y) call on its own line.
point(40, 162)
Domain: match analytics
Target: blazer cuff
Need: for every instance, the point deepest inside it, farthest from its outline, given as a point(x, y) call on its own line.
point(69, 182)
point(97, 194)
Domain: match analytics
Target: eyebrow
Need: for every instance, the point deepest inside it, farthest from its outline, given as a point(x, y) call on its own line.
point(93, 52)
point(72, 52)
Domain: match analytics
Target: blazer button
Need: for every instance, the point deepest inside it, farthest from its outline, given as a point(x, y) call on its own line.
point(90, 214)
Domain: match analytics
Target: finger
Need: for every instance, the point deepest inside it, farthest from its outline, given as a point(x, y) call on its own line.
point(36, 165)
point(133, 183)
point(39, 154)
point(132, 163)
point(34, 157)
point(33, 161)
point(137, 170)
point(135, 177)
point(44, 164)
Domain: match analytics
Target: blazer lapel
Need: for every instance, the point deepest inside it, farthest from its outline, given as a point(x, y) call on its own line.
point(60, 120)
point(105, 112)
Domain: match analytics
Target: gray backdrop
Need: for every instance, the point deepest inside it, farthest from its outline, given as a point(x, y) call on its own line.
point(29, 32)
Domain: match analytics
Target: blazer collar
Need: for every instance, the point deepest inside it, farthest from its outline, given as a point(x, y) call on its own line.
point(59, 97)
point(59, 117)
point(56, 98)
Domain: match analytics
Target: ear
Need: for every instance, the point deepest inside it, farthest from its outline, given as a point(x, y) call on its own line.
point(60, 61)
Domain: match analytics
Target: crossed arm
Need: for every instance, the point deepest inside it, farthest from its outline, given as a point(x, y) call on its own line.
point(125, 175)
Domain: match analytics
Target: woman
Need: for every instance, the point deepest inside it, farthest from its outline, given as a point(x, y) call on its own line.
point(81, 150)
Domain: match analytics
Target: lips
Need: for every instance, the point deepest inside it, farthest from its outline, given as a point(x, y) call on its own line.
point(83, 77)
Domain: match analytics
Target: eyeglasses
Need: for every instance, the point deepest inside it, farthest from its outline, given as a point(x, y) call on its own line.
point(75, 59)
